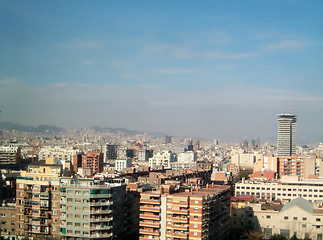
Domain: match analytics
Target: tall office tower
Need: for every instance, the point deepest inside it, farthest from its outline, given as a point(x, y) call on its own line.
point(286, 142)
point(195, 214)
point(38, 201)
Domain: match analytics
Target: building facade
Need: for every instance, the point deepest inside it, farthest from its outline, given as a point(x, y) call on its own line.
point(286, 142)
point(38, 201)
point(286, 189)
point(195, 214)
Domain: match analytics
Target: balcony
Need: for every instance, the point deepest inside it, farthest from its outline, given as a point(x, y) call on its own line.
point(179, 211)
point(150, 201)
point(149, 209)
point(101, 219)
point(149, 232)
point(179, 219)
point(99, 227)
point(183, 235)
point(100, 195)
point(180, 227)
point(150, 216)
point(149, 224)
point(101, 203)
point(100, 211)
point(102, 235)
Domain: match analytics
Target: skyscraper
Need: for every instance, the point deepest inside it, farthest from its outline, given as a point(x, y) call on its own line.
point(286, 142)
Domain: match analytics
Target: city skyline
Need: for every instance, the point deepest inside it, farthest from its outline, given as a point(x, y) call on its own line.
point(212, 70)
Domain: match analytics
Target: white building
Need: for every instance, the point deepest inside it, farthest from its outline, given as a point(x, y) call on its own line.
point(122, 164)
point(298, 217)
point(187, 157)
point(162, 159)
point(286, 189)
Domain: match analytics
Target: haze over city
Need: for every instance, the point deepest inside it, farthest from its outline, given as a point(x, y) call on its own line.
point(216, 69)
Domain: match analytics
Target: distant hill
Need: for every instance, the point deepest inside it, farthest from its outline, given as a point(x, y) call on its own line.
point(35, 129)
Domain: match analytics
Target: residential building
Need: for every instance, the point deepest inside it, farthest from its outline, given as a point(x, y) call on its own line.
point(38, 201)
point(162, 159)
point(193, 214)
point(93, 160)
point(187, 157)
point(122, 164)
point(8, 221)
point(9, 155)
point(93, 209)
point(286, 142)
point(144, 155)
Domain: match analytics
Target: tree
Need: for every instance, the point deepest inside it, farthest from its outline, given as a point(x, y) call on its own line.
point(277, 237)
point(252, 235)
point(294, 238)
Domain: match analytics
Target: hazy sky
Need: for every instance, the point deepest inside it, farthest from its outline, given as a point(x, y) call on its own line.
point(209, 69)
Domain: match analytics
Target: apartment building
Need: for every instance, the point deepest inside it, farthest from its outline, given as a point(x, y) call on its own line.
point(122, 164)
point(92, 209)
point(38, 201)
point(9, 155)
point(285, 189)
point(8, 221)
point(192, 214)
point(162, 159)
point(93, 160)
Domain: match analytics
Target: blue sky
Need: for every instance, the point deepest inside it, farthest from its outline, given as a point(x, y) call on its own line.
point(210, 69)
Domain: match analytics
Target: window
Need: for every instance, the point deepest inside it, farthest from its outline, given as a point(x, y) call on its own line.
point(304, 219)
point(196, 202)
point(295, 218)
point(69, 223)
point(195, 225)
point(196, 217)
point(77, 232)
point(77, 224)
point(77, 200)
point(195, 234)
point(77, 216)
point(303, 225)
point(196, 209)
point(285, 217)
point(318, 219)
point(268, 216)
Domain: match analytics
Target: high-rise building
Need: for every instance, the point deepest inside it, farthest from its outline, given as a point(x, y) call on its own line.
point(286, 142)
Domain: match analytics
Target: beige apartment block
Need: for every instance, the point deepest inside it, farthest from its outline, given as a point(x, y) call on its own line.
point(38, 201)
point(8, 221)
point(285, 189)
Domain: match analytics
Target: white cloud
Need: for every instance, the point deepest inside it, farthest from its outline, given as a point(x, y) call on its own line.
point(176, 71)
point(285, 44)
point(8, 81)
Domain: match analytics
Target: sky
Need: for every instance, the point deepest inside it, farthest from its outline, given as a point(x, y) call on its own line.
point(200, 69)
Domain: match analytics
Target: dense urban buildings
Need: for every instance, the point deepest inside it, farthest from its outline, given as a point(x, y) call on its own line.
point(140, 187)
